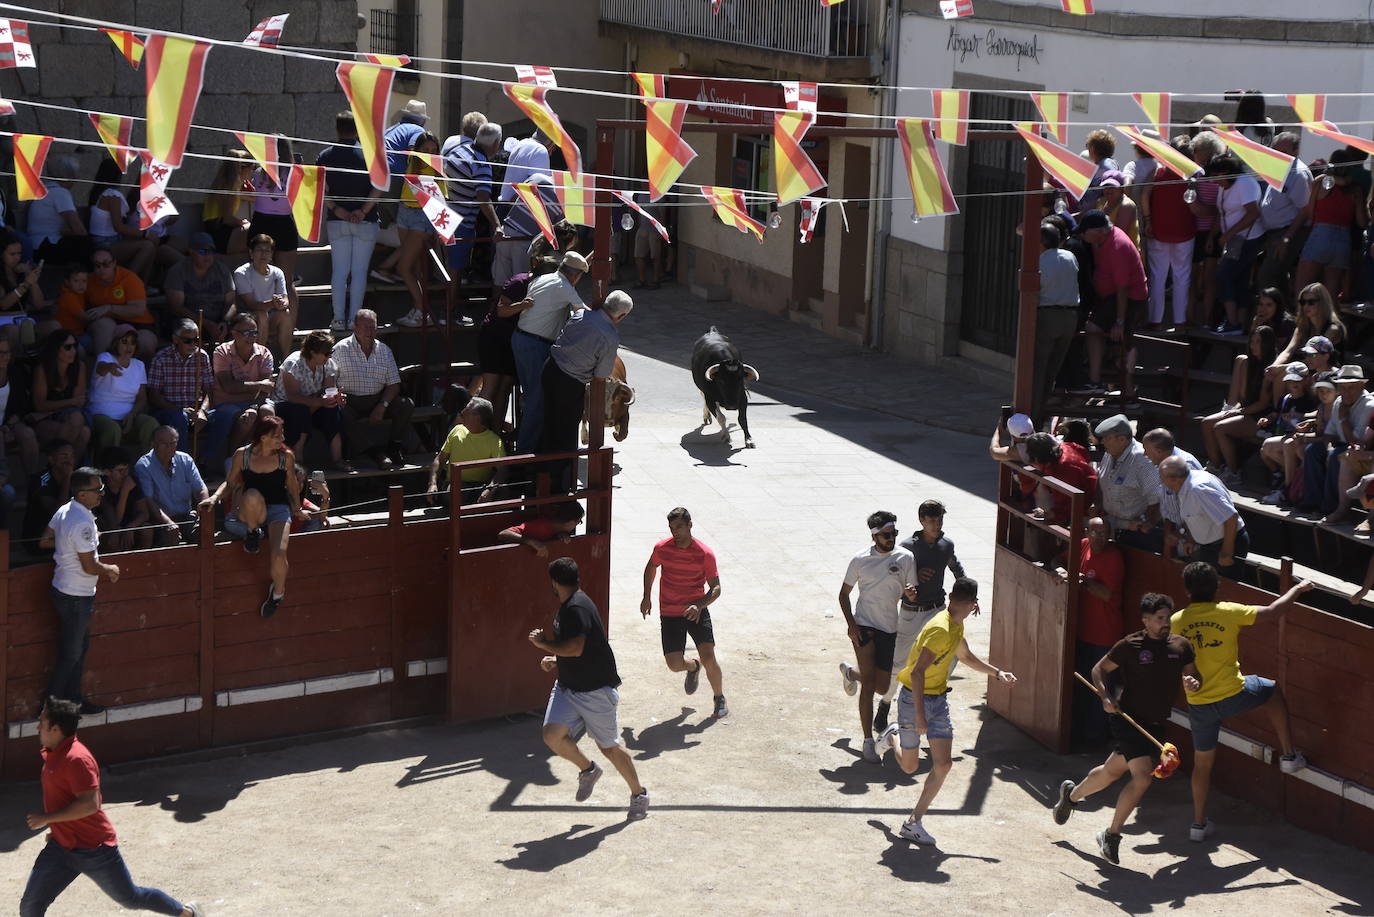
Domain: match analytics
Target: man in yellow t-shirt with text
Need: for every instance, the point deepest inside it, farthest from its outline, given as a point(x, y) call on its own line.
point(1213, 629)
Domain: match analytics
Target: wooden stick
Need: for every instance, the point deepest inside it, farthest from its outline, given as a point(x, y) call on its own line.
point(1121, 713)
point(195, 431)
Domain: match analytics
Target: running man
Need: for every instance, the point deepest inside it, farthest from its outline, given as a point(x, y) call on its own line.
point(884, 573)
point(81, 839)
point(1151, 662)
point(1213, 628)
point(584, 696)
point(932, 655)
point(689, 567)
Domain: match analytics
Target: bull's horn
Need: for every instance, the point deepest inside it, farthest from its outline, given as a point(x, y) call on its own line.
point(632, 394)
point(711, 372)
point(751, 373)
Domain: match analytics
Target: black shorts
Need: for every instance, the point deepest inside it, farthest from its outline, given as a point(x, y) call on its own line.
point(1129, 743)
point(674, 631)
point(280, 226)
point(1205, 246)
point(1104, 315)
point(884, 646)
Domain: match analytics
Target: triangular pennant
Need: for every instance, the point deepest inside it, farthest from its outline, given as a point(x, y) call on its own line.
point(665, 152)
point(729, 205)
point(629, 200)
point(15, 50)
point(798, 96)
point(535, 203)
point(267, 33)
point(1162, 152)
point(797, 175)
point(263, 148)
point(1266, 162)
point(1064, 165)
point(1078, 7)
point(1156, 106)
point(29, 152)
point(176, 71)
point(530, 100)
point(1309, 107)
point(431, 201)
point(1327, 129)
point(395, 61)
point(433, 160)
point(951, 115)
point(368, 88)
point(1054, 107)
point(153, 202)
point(115, 131)
point(128, 45)
point(930, 191)
point(831, 2)
point(6, 107)
point(305, 191)
point(810, 215)
point(956, 9)
point(575, 200)
point(539, 76)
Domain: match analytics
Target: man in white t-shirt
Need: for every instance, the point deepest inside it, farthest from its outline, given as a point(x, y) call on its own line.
point(72, 535)
point(884, 572)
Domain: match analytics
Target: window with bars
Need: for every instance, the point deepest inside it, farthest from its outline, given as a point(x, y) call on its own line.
point(393, 32)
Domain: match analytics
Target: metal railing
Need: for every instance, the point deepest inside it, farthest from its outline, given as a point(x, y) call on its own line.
point(850, 29)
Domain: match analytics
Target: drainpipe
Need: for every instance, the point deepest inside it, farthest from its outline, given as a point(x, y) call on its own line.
point(883, 148)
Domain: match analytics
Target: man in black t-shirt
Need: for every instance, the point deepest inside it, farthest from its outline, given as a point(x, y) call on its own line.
point(1151, 663)
point(584, 696)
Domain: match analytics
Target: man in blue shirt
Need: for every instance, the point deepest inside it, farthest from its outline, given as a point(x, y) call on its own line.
point(172, 482)
point(410, 123)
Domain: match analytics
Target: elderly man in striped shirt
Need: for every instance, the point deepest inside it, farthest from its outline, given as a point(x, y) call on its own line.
point(467, 162)
point(1128, 487)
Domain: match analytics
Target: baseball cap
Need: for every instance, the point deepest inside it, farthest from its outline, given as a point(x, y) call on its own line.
point(1291, 376)
point(1020, 426)
point(1325, 380)
point(201, 240)
point(1093, 219)
point(1112, 178)
point(1317, 344)
point(1297, 366)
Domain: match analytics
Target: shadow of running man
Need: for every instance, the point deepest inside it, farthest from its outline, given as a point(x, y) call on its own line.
point(910, 863)
point(549, 853)
point(858, 777)
point(669, 735)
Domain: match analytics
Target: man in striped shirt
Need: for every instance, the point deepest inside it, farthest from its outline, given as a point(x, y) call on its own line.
point(467, 161)
point(513, 251)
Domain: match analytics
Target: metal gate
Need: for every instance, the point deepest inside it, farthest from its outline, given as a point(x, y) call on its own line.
point(988, 317)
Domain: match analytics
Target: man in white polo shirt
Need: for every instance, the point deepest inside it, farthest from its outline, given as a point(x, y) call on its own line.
point(72, 535)
point(543, 313)
point(1208, 514)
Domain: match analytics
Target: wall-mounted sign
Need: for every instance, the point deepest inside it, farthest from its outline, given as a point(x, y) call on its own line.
point(964, 44)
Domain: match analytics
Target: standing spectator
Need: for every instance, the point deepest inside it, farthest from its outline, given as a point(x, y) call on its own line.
point(1101, 576)
point(81, 839)
point(243, 382)
point(351, 203)
point(1056, 321)
point(1168, 229)
point(1101, 146)
point(369, 377)
point(122, 505)
point(1332, 212)
point(115, 298)
point(308, 396)
point(55, 227)
point(173, 485)
point(224, 214)
point(471, 439)
point(1216, 531)
point(400, 136)
point(417, 234)
point(110, 225)
point(262, 290)
point(180, 381)
point(1203, 148)
point(467, 163)
point(649, 247)
point(528, 157)
point(1119, 207)
point(71, 535)
point(512, 255)
point(20, 294)
point(1238, 203)
point(494, 356)
point(119, 396)
point(1128, 486)
point(553, 298)
point(584, 696)
point(1119, 281)
point(1280, 213)
point(272, 217)
point(59, 393)
point(51, 489)
point(201, 289)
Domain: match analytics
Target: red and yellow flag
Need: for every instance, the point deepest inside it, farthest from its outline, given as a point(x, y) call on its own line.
point(1266, 162)
point(263, 148)
point(1156, 107)
point(575, 200)
point(797, 175)
point(1327, 129)
point(305, 191)
point(628, 197)
point(1078, 7)
point(665, 152)
point(1163, 153)
point(930, 192)
point(368, 87)
point(115, 131)
point(530, 100)
point(1068, 168)
point(951, 115)
point(729, 205)
point(387, 60)
point(1309, 107)
point(831, 2)
point(537, 209)
point(1054, 108)
point(29, 152)
point(176, 71)
point(128, 45)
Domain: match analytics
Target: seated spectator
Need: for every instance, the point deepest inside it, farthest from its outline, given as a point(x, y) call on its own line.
point(115, 297)
point(224, 214)
point(119, 397)
point(20, 295)
point(1281, 429)
point(49, 490)
point(1348, 424)
point(308, 396)
point(110, 225)
point(243, 381)
point(314, 502)
point(180, 381)
point(368, 375)
point(262, 480)
point(200, 288)
point(59, 393)
point(1271, 310)
point(1247, 401)
point(470, 440)
point(1053, 459)
point(14, 403)
point(71, 301)
point(122, 505)
point(538, 532)
point(1208, 526)
point(261, 289)
point(1310, 431)
point(55, 227)
point(1128, 487)
point(173, 486)
point(1316, 317)
point(1363, 493)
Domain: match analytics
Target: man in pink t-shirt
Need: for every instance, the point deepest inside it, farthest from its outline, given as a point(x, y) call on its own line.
point(690, 583)
point(1121, 289)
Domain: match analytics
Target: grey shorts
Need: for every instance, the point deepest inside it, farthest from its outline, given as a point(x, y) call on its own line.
point(1205, 719)
point(938, 725)
point(593, 710)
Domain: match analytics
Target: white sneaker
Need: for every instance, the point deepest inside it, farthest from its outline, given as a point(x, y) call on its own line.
point(1230, 478)
point(915, 832)
point(336, 326)
point(1291, 765)
point(871, 752)
point(410, 320)
point(1199, 833)
point(847, 679)
point(1273, 498)
point(891, 738)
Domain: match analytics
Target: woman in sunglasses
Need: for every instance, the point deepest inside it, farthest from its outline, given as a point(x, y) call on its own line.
point(59, 393)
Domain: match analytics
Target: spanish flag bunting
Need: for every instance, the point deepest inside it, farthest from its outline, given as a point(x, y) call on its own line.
point(797, 175)
point(799, 96)
point(539, 76)
point(6, 107)
point(951, 115)
point(267, 33)
point(1162, 152)
point(387, 60)
point(1054, 107)
point(831, 2)
point(729, 205)
point(665, 152)
point(1156, 108)
point(444, 220)
point(263, 148)
point(153, 202)
point(29, 152)
point(176, 71)
point(1327, 129)
point(368, 87)
point(128, 45)
point(1066, 167)
point(115, 131)
point(1078, 7)
point(575, 200)
point(535, 203)
point(1266, 162)
point(629, 200)
point(930, 192)
point(1309, 107)
point(15, 50)
point(530, 100)
point(305, 191)
point(433, 160)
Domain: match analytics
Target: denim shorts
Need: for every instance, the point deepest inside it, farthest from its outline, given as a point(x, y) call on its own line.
point(413, 218)
point(276, 512)
point(938, 725)
point(594, 710)
point(1328, 244)
point(1205, 719)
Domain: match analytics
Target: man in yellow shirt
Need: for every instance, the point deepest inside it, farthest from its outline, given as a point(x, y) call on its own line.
point(1213, 629)
point(941, 640)
point(470, 439)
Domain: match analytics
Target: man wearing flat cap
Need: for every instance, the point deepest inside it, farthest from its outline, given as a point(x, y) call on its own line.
point(1128, 487)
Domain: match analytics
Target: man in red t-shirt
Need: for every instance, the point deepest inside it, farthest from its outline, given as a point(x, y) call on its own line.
point(1101, 574)
point(81, 839)
point(537, 532)
point(1169, 231)
point(690, 583)
point(1119, 283)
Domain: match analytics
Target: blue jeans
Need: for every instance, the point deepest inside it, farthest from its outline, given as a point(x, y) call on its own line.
point(530, 354)
point(221, 421)
point(73, 639)
point(1321, 473)
point(177, 421)
point(58, 867)
point(350, 250)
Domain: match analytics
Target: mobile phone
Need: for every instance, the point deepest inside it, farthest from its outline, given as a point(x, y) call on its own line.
point(317, 477)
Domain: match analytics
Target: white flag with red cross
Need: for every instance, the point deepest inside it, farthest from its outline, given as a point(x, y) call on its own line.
point(153, 202)
point(267, 33)
point(15, 50)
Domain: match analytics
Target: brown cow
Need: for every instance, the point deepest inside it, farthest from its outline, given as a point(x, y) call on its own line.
point(619, 397)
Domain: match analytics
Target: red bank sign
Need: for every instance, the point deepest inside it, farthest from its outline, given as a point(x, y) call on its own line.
point(729, 101)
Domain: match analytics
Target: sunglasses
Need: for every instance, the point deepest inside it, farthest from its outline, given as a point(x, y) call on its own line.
point(1310, 302)
point(887, 533)
point(247, 332)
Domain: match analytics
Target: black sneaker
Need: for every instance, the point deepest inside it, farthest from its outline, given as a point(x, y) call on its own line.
point(880, 717)
point(269, 606)
point(721, 711)
point(1064, 807)
point(689, 684)
point(1109, 843)
point(397, 453)
point(90, 708)
point(252, 541)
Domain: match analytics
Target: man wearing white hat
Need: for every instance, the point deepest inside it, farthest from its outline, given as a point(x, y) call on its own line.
point(410, 123)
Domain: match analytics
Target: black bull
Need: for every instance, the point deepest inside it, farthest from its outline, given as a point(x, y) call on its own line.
point(720, 375)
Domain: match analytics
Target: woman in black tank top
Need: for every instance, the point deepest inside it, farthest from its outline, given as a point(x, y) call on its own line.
point(262, 477)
